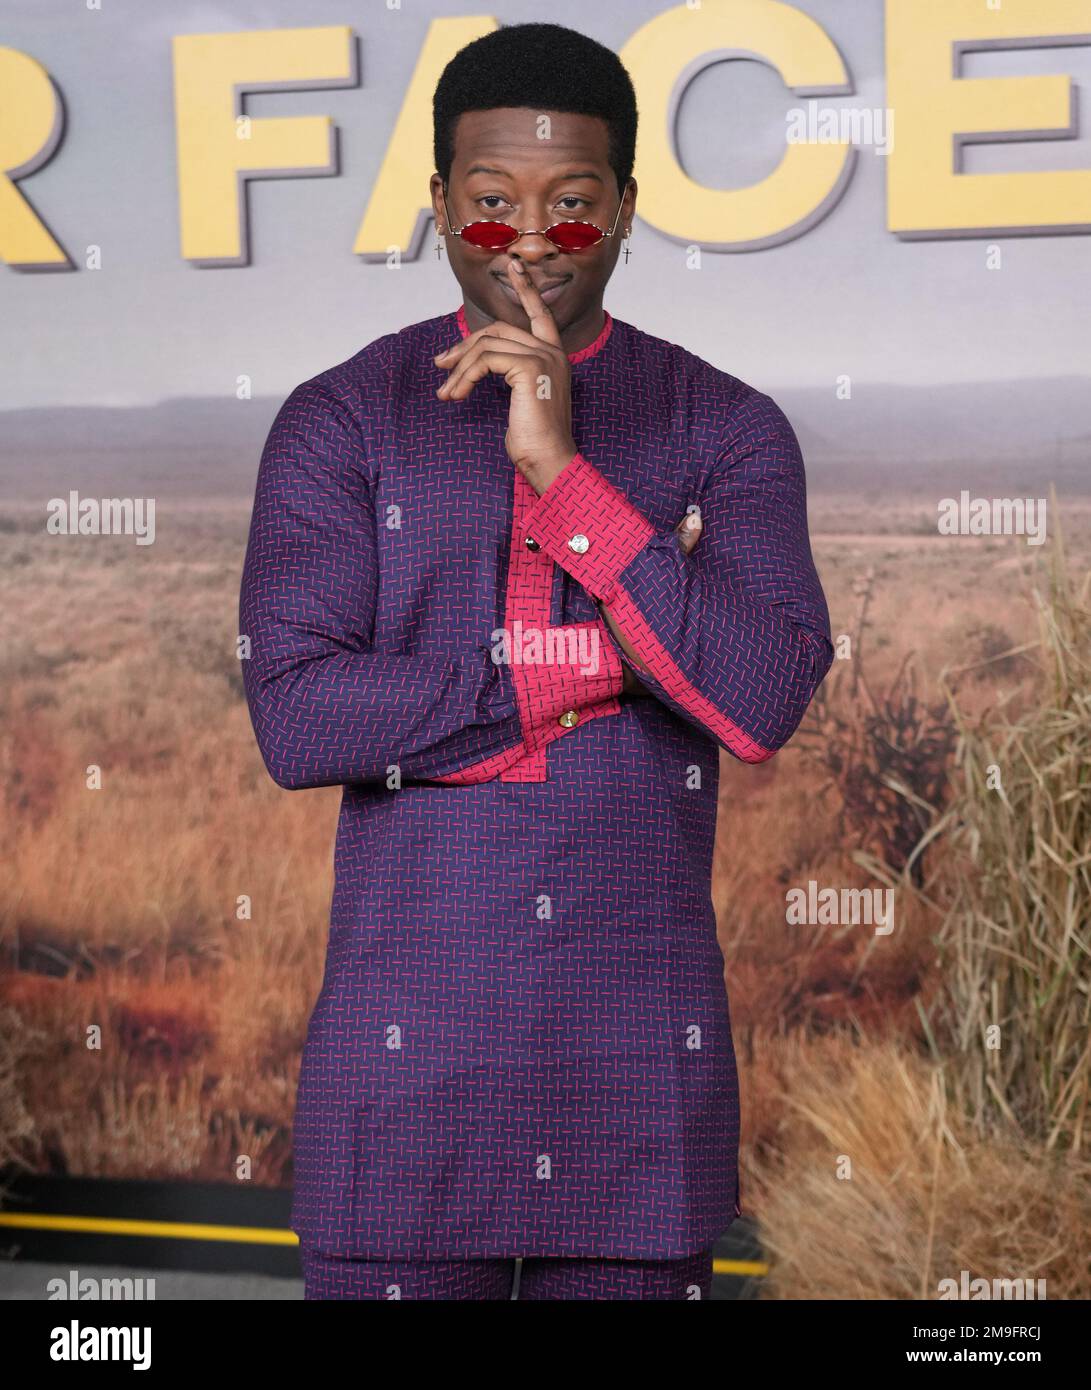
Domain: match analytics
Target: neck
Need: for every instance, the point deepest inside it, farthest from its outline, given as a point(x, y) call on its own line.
point(575, 336)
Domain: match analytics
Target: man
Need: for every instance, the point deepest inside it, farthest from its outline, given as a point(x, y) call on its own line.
point(474, 603)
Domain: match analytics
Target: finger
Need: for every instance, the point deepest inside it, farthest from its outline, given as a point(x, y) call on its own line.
point(461, 373)
point(489, 342)
point(689, 531)
point(470, 371)
point(497, 329)
point(542, 323)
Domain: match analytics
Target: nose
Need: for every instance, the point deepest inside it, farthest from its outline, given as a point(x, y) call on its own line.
point(532, 247)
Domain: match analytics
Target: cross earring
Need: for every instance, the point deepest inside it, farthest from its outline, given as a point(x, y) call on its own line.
point(625, 247)
point(439, 244)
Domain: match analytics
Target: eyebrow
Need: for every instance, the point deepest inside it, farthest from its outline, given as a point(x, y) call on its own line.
point(561, 178)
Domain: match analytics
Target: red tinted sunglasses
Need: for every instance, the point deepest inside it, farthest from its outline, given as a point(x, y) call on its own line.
point(497, 236)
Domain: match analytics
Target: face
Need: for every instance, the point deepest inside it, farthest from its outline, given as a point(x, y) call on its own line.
point(503, 172)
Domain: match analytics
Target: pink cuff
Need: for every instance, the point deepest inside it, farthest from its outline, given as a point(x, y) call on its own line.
point(565, 676)
point(588, 527)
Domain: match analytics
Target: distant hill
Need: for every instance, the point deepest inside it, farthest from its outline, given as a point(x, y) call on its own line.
point(1025, 431)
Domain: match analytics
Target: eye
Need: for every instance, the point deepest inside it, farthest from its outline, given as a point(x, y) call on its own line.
point(573, 198)
point(489, 201)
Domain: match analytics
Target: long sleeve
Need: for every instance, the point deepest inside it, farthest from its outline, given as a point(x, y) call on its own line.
point(736, 635)
point(325, 706)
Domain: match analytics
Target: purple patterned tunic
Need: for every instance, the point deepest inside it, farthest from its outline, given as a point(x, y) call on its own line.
point(522, 1043)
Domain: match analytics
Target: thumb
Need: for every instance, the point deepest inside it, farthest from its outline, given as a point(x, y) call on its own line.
point(689, 531)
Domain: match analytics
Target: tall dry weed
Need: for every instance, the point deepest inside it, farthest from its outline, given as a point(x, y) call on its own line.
point(1012, 1016)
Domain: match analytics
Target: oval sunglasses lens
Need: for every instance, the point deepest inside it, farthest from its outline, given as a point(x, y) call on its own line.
point(574, 236)
point(491, 236)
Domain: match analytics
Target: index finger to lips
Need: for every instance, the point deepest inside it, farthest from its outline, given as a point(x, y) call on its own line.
point(542, 323)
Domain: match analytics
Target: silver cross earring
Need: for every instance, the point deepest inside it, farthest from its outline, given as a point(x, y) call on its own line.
point(439, 244)
point(625, 248)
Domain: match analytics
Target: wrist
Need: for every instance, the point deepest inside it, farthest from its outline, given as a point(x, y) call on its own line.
point(544, 471)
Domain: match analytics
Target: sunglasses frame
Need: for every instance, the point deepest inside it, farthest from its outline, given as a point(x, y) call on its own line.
point(532, 231)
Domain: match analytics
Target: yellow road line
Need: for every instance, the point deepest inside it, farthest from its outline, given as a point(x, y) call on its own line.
point(753, 1267)
point(246, 1235)
point(177, 1230)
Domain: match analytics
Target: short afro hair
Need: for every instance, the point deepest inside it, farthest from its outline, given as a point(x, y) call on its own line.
point(545, 67)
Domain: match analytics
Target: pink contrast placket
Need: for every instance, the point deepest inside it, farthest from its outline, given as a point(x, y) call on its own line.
point(549, 695)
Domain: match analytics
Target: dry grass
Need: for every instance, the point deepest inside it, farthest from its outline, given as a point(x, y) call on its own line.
point(1014, 1011)
point(885, 753)
point(870, 1187)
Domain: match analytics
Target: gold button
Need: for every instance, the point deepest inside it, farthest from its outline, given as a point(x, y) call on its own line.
point(569, 719)
point(579, 544)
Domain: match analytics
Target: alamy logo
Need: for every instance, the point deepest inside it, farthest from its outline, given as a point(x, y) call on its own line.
point(842, 125)
point(969, 1288)
point(92, 1288)
point(76, 1343)
point(828, 907)
point(102, 516)
point(993, 516)
point(552, 646)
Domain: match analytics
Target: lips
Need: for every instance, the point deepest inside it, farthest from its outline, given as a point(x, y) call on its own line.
point(548, 289)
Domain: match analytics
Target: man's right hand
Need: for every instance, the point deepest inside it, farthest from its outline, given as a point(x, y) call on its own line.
point(689, 533)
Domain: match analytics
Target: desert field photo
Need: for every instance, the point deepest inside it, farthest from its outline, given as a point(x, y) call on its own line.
point(188, 929)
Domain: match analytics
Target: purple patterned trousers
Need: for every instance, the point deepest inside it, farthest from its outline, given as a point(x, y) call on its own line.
point(332, 1277)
